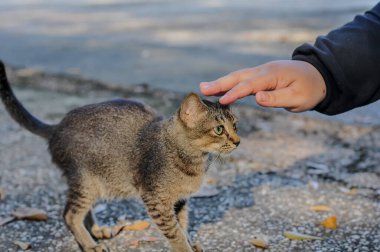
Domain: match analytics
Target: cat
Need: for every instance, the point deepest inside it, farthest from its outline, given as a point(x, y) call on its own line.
point(122, 148)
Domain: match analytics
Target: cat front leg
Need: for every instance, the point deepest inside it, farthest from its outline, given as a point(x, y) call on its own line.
point(180, 209)
point(163, 214)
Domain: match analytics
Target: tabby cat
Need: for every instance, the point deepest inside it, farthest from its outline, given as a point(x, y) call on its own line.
point(122, 148)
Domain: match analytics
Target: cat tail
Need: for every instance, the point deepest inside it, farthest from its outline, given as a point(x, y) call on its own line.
point(17, 110)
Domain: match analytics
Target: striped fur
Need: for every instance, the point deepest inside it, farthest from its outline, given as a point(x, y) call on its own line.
point(122, 148)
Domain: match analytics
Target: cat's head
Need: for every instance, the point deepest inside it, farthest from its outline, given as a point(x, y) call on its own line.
point(210, 126)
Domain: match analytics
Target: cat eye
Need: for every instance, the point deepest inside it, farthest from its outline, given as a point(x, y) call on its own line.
point(219, 129)
point(235, 128)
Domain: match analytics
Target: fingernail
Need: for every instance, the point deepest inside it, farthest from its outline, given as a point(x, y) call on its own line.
point(205, 85)
point(263, 97)
point(224, 98)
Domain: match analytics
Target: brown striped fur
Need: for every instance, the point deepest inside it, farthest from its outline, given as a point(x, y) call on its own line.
point(122, 148)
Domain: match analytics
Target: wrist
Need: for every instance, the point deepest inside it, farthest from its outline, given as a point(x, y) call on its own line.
point(318, 83)
point(314, 80)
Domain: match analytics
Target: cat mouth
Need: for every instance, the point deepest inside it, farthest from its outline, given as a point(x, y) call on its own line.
point(227, 151)
point(220, 152)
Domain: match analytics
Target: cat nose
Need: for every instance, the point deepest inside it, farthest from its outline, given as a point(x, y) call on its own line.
point(237, 143)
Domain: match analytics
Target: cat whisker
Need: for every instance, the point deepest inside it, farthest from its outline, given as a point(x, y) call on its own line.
point(219, 158)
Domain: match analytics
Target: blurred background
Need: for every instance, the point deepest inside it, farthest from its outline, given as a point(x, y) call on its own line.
point(166, 43)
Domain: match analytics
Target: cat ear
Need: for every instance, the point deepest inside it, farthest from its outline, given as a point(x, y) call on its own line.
point(192, 110)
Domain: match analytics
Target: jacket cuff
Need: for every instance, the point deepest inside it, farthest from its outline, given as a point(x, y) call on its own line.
point(323, 106)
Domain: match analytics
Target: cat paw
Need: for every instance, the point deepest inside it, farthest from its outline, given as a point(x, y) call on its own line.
point(98, 248)
point(197, 248)
point(104, 232)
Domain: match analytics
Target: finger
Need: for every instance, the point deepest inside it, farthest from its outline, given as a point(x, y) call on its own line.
point(207, 88)
point(249, 87)
point(222, 84)
point(241, 90)
point(280, 98)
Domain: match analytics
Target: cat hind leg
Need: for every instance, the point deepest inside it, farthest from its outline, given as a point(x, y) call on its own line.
point(77, 207)
point(97, 232)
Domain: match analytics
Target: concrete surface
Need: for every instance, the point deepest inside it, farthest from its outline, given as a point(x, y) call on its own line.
point(285, 164)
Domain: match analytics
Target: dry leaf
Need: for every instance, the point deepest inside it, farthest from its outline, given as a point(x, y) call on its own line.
point(137, 226)
point(23, 245)
point(149, 239)
point(320, 208)
point(142, 240)
point(27, 213)
point(260, 243)
point(7, 220)
point(352, 192)
point(299, 236)
point(329, 222)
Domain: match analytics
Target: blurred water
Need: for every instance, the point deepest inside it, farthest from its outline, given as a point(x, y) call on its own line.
point(166, 43)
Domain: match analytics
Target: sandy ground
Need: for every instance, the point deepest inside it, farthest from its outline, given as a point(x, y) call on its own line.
point(285, 164)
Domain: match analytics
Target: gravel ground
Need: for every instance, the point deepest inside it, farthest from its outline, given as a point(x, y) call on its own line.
point(285, 164)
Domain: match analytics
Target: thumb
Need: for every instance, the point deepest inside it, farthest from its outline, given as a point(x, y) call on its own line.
point(279, 98)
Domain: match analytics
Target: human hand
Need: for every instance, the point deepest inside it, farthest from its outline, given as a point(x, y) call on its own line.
point(294, 85)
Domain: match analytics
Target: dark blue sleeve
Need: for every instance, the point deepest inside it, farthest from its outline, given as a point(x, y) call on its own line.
point(349, 60)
